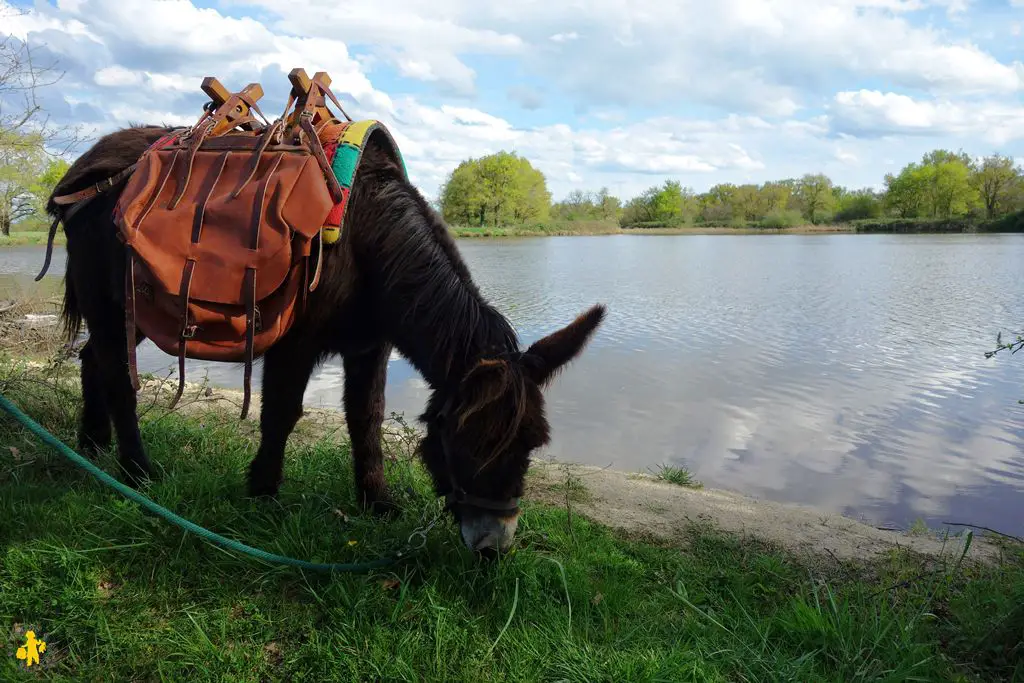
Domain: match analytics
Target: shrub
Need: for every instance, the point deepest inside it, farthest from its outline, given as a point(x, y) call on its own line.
point(784, 218)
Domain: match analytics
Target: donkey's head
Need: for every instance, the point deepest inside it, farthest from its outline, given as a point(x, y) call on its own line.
point(480, 436)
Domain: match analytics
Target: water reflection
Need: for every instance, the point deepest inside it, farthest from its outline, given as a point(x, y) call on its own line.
point(845, 372)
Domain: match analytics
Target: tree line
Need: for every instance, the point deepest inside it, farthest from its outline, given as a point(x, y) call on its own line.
point(504, 189)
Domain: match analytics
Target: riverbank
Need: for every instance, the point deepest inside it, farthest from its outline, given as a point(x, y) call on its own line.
point(30, 239)
point(592, 228)
point(1011, 223)
point(595, 228)
point(700, 595)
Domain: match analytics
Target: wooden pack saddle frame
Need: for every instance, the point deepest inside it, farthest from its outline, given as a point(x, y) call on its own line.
point(229, 133)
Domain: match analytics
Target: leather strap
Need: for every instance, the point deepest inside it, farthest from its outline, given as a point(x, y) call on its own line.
point(306, 123)
point(186, 170)
point(254, 161)
point(261, 193)
point(319, 260)
point(95, 189)
point(129, 313)
point(159, 191)
point(197, 222)
point(250, 317)
point(186, 330)
point(49, 248)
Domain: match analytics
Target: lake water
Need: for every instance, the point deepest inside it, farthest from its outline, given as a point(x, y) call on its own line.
point(846, 372)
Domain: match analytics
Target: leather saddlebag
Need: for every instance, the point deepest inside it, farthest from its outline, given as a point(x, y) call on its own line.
point(219, 233)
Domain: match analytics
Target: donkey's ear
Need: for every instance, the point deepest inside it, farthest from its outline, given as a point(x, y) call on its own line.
point(482, 385)
point(548, 355)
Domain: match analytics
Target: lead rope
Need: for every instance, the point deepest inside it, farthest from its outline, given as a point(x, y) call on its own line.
point(416, 540)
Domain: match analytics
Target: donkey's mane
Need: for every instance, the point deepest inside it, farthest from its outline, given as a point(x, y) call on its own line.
point(423, 265)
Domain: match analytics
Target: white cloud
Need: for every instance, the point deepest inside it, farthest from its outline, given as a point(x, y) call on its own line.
point(749, 55)
point(845, 156)
point(564, 37)
point(117, 76)
point(870, 112)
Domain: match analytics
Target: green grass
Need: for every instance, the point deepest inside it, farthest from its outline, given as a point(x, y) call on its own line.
point(547, 229)
point(571, 228)
point(680, 476)
point(29, 238)
point(121, 595)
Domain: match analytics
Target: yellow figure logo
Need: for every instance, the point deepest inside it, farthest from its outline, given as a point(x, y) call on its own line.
point(32, 649)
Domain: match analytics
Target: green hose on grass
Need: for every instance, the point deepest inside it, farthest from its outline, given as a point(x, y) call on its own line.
point(177, 520)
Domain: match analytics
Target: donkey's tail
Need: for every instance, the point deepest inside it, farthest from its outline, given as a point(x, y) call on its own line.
point(70, 313)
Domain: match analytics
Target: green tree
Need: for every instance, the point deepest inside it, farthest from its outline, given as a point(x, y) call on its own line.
point(461, 197)
point(949, 187)
point(495, 189)
point(577, 205)
point(940, 186)
point(530, 199)
point(668, 202)
point(608, 207)
point(814, 191)
point(641, 208)
point(775, 196)
point(996, 181)
point(748, 202)
point(906, 193)
point(22, 162)
point(858, 204)
point(717, 205)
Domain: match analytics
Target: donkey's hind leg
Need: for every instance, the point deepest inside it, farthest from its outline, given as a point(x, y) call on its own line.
point(94, 432)
point(365, 377)
point(287, 366)
point(110, 351)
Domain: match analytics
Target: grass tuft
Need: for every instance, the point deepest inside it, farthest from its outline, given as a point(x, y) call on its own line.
point(680, 476)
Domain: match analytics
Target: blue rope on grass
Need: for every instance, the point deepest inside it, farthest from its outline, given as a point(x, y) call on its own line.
point(177, 520)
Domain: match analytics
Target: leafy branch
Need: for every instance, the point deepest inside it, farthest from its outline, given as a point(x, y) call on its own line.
point(1012, 346)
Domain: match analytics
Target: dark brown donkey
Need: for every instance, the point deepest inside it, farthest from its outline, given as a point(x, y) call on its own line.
point(394, 279)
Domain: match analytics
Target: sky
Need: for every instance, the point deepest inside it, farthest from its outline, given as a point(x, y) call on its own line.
point(622, 94)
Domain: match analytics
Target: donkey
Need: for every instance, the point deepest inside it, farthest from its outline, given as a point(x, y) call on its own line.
point(394, 279)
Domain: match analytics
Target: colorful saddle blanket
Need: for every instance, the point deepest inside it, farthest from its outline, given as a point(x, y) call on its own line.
point(343, 143)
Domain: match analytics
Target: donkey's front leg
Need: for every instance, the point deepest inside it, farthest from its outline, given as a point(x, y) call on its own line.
point(365, 377)
point(287, 366)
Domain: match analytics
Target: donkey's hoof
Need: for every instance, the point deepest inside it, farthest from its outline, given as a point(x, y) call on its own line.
point(380, 504)
point(91, 445)
point(135, 474)
point(261, 487)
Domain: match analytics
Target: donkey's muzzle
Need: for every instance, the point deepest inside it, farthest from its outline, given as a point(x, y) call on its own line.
point(488, 533)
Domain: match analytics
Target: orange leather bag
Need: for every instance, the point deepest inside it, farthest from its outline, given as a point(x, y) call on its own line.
point(219, 223)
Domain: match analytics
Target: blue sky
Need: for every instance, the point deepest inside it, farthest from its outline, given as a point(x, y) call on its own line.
point(615, 93)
